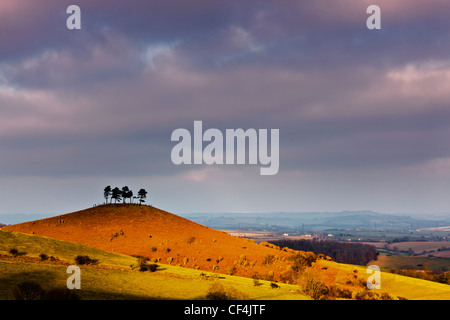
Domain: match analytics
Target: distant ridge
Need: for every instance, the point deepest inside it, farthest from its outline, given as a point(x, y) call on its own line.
point(157, 234)
point(317, 221)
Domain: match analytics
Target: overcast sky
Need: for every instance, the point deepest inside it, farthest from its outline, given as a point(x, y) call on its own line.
point(363, 114)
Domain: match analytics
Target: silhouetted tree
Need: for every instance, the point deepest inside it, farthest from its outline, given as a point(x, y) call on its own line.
point(107, 193)
point(125, 191)
point(116, 195)
point(142, 195)
point(127, 194)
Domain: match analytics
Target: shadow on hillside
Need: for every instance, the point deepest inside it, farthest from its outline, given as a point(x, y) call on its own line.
point(104, 295)
point(8, 283)
point(48, 280)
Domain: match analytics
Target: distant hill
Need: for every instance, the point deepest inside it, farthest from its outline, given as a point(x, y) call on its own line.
point(317, 221)
point(157, 234)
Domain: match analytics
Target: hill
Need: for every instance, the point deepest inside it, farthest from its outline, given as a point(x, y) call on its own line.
point(112, 277)
point(316, 221)
point(185, 249)
point(161, 236)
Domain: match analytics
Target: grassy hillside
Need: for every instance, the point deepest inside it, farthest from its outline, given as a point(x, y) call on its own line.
point(161, 236)
point(32, 246)
point(112, 277)
point(186, 253)
point(402, 286)
point(169, 283)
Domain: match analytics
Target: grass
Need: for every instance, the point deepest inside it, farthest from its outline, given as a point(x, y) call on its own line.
point(113, 278)
point(157, 234)
point(406, 287)
point(171, 283)
point(98, 282)
point(33, 246)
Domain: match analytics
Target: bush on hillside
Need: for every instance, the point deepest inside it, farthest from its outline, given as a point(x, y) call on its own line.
point(14, 252)
point(315, 289)
point(218, 292)
point(84, 260)
point(144, 266)
point(302, 260)
point(28, 290)
point(371, 295)
point(43, 257)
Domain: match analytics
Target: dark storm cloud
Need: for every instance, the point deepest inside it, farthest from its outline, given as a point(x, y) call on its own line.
point(343, 97)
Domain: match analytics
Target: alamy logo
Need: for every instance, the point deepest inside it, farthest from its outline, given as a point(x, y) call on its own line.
point(374, 281)
point(190, 149)
point(74, 281)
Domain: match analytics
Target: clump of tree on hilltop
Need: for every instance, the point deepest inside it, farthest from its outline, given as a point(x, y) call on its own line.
point(123, 194)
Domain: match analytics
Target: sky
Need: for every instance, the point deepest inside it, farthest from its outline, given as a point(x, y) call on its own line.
point(362, 114)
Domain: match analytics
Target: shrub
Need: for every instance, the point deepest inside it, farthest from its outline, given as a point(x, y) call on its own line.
point(335, 291)
point(142, 263)
point(14, 252)
point(268, 259)
point(302, 260)
point(370, 295)
point(218, 292)
point(232, 271)
point(315, 289)
point(84, 260)
point(190, 240)
point(28, 290)
point(152, 267)
point(288, 276)
point(43, 257)
point(312, 284)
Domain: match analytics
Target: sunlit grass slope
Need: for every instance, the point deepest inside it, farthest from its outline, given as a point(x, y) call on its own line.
point(159, 235)
point(32, 246)
point(402, 286)
point(113, 277)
